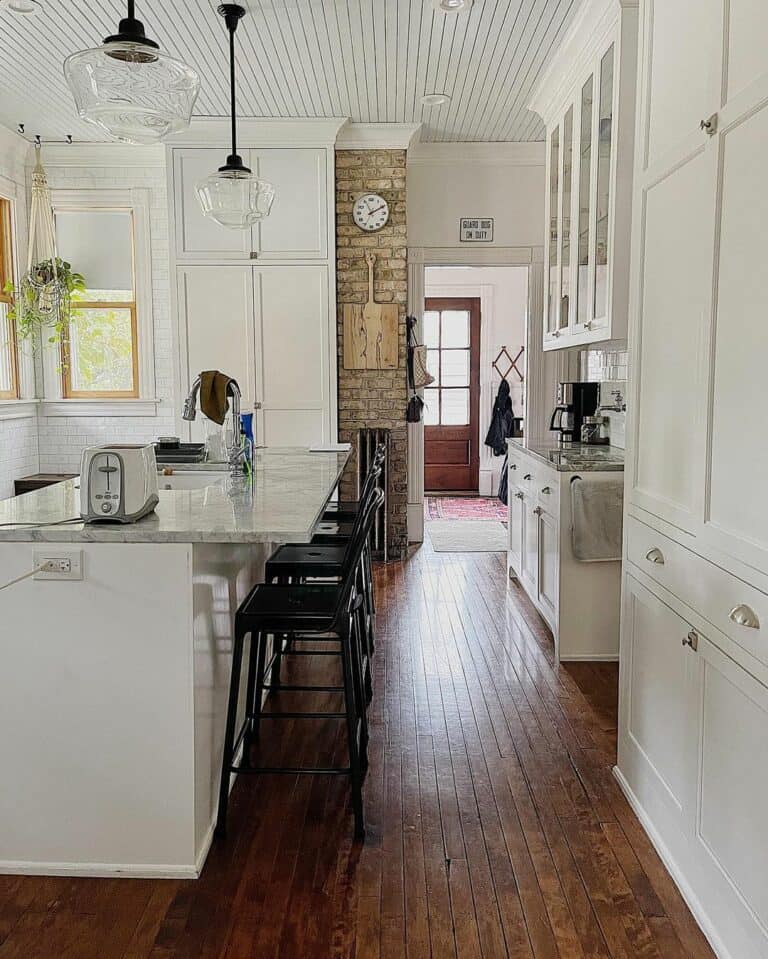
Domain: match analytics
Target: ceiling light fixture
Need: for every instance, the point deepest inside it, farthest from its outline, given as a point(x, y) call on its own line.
point(130, 88)
point(26, 7)
point(234, 196)
point(451, 6)
point(435, 99)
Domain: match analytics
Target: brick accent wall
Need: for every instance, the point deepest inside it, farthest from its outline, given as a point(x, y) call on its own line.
point(374, 398)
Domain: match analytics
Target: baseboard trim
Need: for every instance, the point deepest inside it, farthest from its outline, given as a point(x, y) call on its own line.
point(415, 520)
point(591, 658)
point(691, 899)
point(95, 870)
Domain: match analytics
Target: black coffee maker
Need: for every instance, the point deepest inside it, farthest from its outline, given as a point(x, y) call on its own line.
point(574, 402)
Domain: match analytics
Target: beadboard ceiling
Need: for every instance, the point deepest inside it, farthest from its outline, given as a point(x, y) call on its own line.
point(371, 60)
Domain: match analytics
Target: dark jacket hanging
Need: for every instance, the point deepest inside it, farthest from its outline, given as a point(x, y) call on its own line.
point(502, 421)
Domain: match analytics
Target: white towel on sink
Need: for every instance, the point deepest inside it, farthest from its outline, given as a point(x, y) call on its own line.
point(597, 516)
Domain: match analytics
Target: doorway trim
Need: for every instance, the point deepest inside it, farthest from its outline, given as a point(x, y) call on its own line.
point(542, 370)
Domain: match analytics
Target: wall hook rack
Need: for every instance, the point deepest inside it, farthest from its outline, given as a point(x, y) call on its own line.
point(38, 140)
point(505, 357)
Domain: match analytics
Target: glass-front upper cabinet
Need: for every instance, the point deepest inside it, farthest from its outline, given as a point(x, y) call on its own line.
point(553, 233)
point(603, 193)
point(587, 103)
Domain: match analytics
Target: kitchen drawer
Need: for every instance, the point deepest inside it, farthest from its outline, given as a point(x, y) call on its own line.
point(719, 597)
point(547, 486)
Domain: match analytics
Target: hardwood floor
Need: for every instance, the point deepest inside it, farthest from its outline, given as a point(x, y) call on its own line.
point(495, 828)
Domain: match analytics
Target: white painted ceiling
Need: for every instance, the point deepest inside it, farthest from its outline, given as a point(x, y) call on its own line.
point(371, 60)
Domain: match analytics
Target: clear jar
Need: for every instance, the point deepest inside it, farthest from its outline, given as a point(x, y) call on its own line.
point(591, 430)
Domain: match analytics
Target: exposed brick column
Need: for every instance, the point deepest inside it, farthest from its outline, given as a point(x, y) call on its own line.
point(374, 398)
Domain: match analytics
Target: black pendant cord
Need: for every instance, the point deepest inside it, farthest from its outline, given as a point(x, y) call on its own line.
point(232, 12)
point(232, 27)
point(131, 10)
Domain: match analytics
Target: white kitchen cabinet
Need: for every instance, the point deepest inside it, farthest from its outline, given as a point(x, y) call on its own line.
point(587, 101)
point(297, 226)
point(579, 601)
point(269, 328)
point(696, 530)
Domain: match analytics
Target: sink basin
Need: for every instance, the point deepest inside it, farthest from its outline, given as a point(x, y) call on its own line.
point(192, 480)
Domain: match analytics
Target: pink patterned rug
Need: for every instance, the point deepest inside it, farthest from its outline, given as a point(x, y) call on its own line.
point(465, 507)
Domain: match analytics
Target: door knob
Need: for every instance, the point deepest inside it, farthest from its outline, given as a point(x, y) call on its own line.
point(655, 555)
point(744, 616)
point(692, 640)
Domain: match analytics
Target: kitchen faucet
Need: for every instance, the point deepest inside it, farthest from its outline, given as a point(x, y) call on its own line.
point(235, 457)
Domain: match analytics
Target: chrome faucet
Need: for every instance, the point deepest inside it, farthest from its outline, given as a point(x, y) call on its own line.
point(189, 413)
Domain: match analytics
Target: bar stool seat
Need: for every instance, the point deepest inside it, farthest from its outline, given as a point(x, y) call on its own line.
point(306, 561)
point(291, 608)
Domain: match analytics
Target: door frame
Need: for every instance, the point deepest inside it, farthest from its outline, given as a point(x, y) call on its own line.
point(475, 321)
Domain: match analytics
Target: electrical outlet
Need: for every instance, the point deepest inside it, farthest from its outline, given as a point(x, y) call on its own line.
point(63, 564)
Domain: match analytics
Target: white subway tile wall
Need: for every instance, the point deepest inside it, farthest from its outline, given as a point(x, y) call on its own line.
point(63, 438)
point(18, 451)
point(609, 368)
point(601, 365)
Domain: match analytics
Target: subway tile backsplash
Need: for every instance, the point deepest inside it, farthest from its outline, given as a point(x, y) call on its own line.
point(608, 367)
point(598, 366)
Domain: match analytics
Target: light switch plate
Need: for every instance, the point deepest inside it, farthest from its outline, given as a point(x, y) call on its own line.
point(69, 563)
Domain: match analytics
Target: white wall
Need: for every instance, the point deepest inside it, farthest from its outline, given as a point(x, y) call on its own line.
point(503, 293)
point(62, 438)
point(448, 181)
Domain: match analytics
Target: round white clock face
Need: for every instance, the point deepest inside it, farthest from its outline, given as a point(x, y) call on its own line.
point(370, 212)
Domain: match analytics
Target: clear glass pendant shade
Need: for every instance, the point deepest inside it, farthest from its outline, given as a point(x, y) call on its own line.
point(235, 198)
point(132, 90)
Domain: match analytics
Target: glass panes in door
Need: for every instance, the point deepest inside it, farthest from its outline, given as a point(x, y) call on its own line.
point(552, 253)
point(585, 177)
point(447, 338)
point(565, 233)
point(603, 198)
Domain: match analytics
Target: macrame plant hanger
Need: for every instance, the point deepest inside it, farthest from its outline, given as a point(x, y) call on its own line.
point(41, 283)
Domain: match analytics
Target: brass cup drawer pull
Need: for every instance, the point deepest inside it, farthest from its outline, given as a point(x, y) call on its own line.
point(692, 640)
point(546, 489)
point(527, 476)
point(655, 555)
point(744, 616)
point(513, 466)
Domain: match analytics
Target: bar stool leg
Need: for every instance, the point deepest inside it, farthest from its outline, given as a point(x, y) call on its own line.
point(255, 716)
point(354, 756)
point(229, 734)
point(361, 704)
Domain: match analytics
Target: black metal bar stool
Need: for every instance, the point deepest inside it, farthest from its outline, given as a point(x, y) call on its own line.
point(320, 613)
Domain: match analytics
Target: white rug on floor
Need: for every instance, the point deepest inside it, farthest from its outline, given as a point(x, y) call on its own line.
point(467, 536)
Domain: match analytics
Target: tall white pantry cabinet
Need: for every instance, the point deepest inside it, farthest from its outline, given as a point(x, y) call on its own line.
point(693, 723)
point(259, 304)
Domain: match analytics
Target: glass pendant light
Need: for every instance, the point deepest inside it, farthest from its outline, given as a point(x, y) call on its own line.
point(234, 196)
point(130, 88)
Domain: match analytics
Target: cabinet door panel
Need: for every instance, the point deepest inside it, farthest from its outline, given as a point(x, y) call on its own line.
point(675, 271)
point(685, 58)
point(196, 235)
point(548, 566)
point(216, 327)
point(739, 456)
point(297, 224)
point(732, 829)
point(654, 700)
point(530, 543)
point(747, 30)
point(293, 353)
point(515, 530)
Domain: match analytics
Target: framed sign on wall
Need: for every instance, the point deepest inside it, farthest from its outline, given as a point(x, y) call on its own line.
point(476, 229)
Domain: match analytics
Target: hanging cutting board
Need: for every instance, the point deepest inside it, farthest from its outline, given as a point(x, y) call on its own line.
point(370, 331)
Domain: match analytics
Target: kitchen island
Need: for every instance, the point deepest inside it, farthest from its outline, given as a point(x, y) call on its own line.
point(113, 687)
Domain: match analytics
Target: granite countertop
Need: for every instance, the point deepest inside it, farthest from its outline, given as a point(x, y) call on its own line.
point(291, 489)
point(572, 459)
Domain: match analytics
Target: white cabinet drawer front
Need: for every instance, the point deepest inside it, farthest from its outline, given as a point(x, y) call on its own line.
point(718, 596)
point(655, 700)
point(736, 514)
point(548, 491)
point(676, 260)
point(732, 825)
point(298, 222)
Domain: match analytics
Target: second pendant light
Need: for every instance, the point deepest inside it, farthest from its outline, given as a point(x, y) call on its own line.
point(234, 196)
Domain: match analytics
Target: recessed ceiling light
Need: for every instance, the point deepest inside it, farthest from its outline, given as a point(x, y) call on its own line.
point(451, 6)
point(435, 99)
point(26, 7)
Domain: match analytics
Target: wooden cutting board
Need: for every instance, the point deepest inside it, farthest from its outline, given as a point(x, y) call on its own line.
point(370, 331)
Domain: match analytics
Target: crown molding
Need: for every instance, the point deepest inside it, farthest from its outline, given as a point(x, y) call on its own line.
point(100, 155)
point(581, 44)
point(260, 132)
point(376, 136)
point(485, 154)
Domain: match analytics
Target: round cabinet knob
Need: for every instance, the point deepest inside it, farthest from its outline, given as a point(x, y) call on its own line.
point(744, 616)
point(538, 511)
point(655, 555)
point(518, 495)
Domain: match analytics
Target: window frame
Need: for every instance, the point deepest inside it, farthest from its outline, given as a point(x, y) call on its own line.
point(8, 272)
point(60, 398)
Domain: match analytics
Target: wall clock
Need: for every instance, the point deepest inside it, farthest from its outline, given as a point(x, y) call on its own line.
point(370, 212)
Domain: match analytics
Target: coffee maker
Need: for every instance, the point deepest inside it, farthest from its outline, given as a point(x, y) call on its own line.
point(574, 402)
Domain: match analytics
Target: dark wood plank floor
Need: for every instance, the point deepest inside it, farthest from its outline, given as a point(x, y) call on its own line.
point(495, 828)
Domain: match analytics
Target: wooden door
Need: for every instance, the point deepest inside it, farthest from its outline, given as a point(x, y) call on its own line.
point(451, 413)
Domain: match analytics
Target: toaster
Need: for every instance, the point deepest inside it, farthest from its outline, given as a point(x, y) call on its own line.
point(118, 484)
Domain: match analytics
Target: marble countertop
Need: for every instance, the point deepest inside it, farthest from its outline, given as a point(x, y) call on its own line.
point(572, 459)
point(290, 491)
